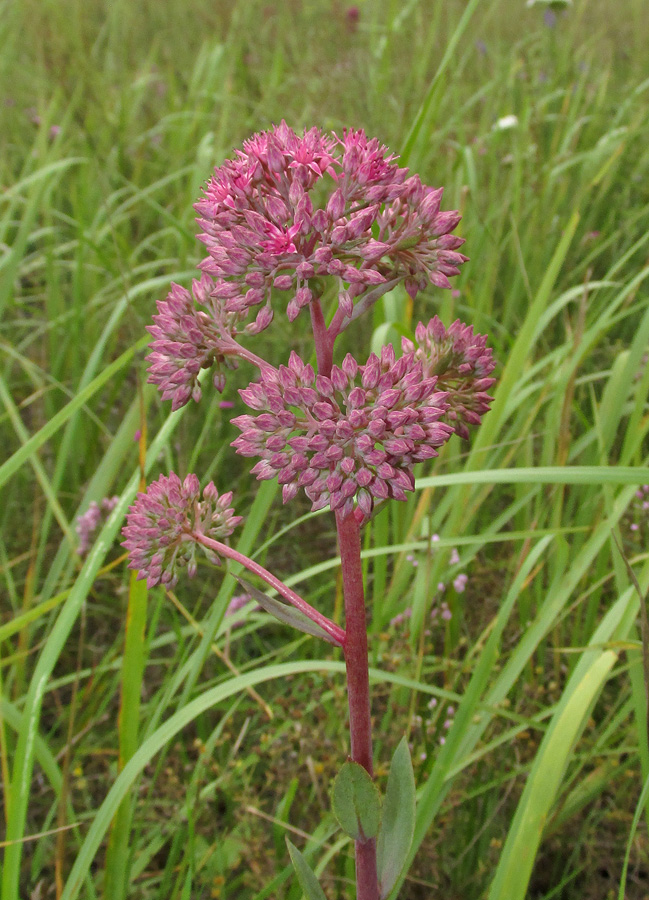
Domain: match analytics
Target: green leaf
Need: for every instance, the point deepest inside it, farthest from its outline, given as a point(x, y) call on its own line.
point(308, 881)
point(283, 611)
point(543, 786)
point(398, 826)
point(356, 802)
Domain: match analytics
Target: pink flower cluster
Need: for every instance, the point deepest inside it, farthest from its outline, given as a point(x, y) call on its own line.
point(89, 522)
point(462, 362)
point(292, 208)
point(357, 434)
point(353, 435)
point(188, 340)
point(286, 212)
point(162, 523)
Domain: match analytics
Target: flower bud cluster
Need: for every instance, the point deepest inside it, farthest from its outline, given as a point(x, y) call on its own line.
point(163, 522)
point(188, 340)
point(290, 209)
point(462, 363)
point(351, 437)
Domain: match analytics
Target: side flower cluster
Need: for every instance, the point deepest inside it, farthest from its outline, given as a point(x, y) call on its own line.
point(353, 436)
point(290, 209)
point(462, 363)
point(188, 340)
point(162, 524)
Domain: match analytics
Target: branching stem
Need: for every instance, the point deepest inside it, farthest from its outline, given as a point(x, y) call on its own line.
point(333, 630)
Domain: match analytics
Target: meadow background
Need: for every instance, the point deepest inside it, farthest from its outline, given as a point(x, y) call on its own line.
point(524, 697)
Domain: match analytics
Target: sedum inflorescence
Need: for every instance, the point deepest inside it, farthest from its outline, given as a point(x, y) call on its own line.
point(282, 218)
point(285, 219)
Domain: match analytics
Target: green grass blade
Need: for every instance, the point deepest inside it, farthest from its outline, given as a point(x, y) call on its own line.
point(591, 475)
point(133, 666)
point(24, 755)
point(156, 741)
point(515, 866)
point(33, 443)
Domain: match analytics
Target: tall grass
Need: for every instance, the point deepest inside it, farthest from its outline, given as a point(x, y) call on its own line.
point(147, 748)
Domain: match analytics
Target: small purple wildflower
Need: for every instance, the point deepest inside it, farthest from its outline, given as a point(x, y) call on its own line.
point(237, 603)
point(460, 582)
point(352, 16)
point(641, 507)
point(400, 618)
point(455, 557)
point(163, 520)
point(355, 435)
point(88, 523)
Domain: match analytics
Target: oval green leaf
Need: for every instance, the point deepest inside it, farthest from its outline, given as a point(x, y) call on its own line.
point(356, 802)
point(398, 825)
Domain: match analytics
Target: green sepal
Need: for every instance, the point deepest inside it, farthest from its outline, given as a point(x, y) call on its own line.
point(398, 823)
point(307, 879)
point(356, 802)
point(286, 613)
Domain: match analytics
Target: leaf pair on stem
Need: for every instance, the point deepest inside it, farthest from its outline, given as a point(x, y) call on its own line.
point(364, 815)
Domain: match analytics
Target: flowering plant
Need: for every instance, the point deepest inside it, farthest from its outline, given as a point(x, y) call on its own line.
point(280, 221)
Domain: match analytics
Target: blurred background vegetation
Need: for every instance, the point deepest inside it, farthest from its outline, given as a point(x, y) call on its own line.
point(530, 750)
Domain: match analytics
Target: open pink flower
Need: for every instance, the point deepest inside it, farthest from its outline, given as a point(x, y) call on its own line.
point(290, 209)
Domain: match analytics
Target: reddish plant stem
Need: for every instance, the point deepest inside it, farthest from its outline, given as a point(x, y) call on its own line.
point(355, 640)
point(358, 685)
point(232, 348)
point(333, 630)
point(324, 345)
